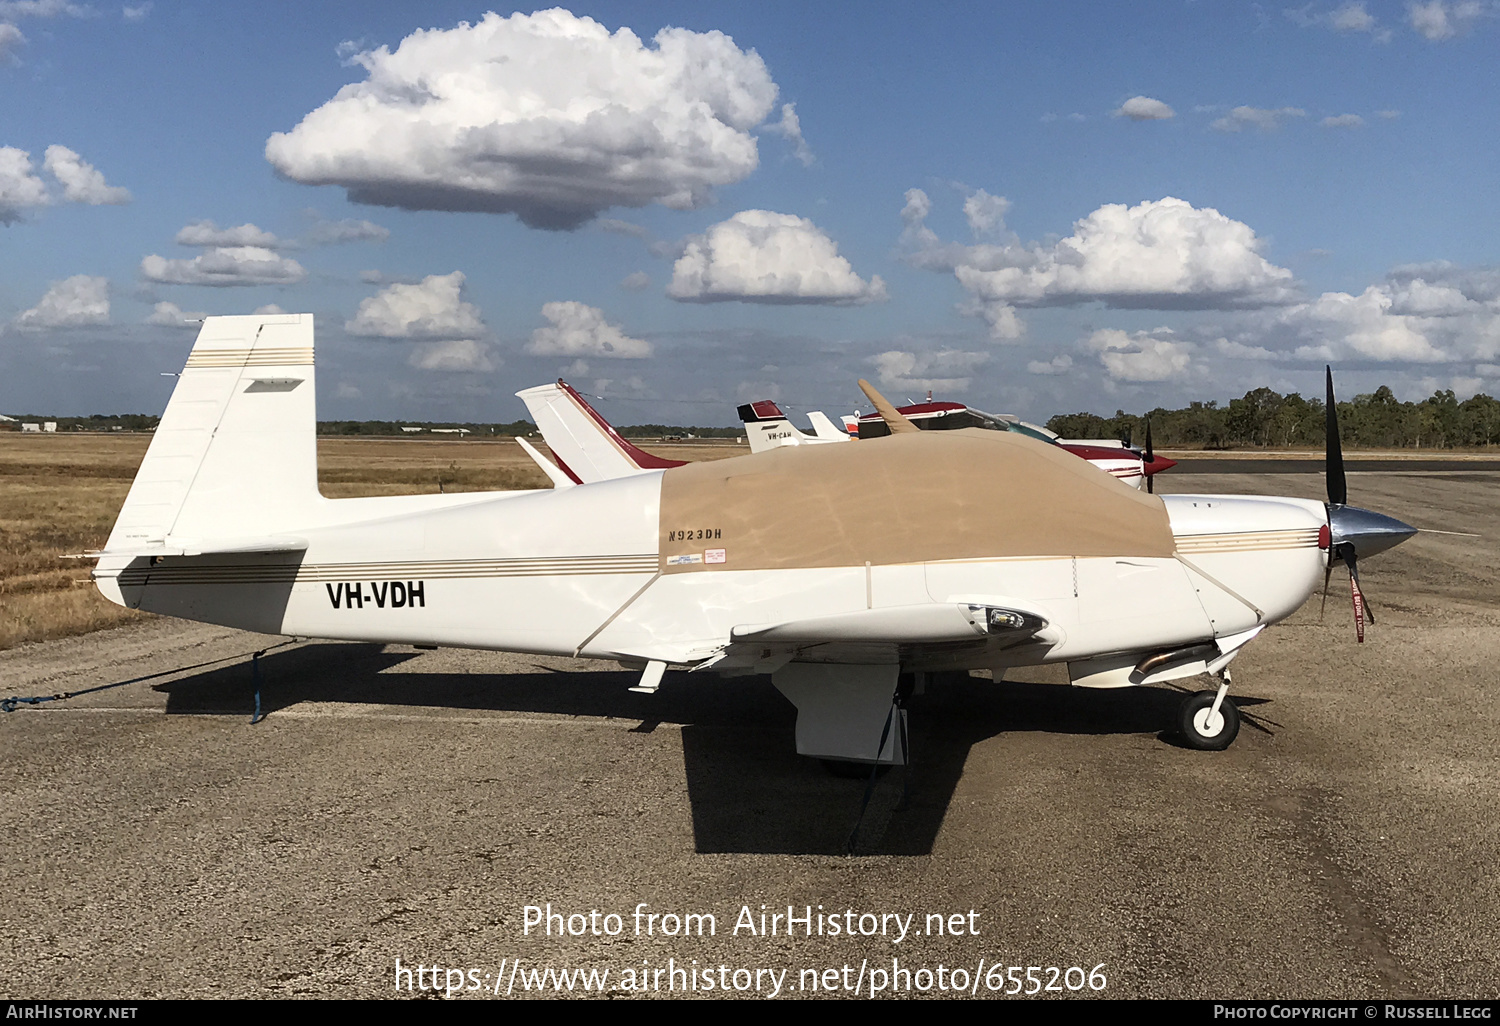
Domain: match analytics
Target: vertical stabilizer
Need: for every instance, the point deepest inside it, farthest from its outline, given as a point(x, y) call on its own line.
point(824, 429)
point(586, 446)
point(235, 454)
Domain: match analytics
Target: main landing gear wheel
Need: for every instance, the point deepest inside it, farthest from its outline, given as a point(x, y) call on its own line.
point(1205, 733)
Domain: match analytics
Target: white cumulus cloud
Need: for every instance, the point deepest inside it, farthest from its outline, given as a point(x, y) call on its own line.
point(432, 308)
point(170, 315)
point(995, 246)
point(548, 116)
point(1240, 351)
point(1418, 297)
point(759, 256)
point(1059, 364)
point(10, 38)
point(74, 302)
point(1353, 16)
point(227, 266)
point(1442, 19)
point(349, 229)
point(81, 181)
point(1265, 119)
point(985, 213)
point(790, 128)
point(463, 354)
point(1144, 108)
point(206, 233)
point(20, 188)
point(43, 9)
point(1365, 326)
point(580, 330)
point(1141, 356)
point(946, 370)
point(1164, 254)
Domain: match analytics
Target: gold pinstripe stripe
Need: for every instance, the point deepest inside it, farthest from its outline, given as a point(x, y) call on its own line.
point(265, 357)
point(219, 573)
point(1249, 541)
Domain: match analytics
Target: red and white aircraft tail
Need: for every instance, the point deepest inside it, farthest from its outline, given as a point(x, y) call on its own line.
point(767, 427)
point(586, 447)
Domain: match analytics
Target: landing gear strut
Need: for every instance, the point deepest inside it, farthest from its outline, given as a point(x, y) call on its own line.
point(1209, 721)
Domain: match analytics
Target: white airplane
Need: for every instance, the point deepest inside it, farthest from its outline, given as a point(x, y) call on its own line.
point(767, 428)
point(974, 549)
point(587, 447)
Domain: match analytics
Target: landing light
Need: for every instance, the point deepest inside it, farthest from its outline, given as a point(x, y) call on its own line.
point(1007, 621)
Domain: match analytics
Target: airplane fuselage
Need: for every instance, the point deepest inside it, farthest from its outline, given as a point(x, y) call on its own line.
point(644, 568)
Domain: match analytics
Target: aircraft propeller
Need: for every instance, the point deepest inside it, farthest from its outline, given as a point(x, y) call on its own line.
point(1352, 532)
point(1150, 458)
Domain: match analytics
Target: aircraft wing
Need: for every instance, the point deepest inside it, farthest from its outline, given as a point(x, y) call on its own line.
point(586, 446)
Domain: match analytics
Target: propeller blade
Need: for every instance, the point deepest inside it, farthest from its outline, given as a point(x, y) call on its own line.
point(1361, 604)
point(888, 413)
point(1338, 487)
point(1359, 608)
point(1150, 458)
point(1327, 574)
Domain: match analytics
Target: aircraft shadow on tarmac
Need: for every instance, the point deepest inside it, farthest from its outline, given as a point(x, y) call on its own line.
point(750, 792)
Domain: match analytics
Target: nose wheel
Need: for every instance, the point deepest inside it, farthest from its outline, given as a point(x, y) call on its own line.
point(1209, 721)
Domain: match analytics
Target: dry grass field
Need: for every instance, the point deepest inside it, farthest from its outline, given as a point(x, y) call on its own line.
point(59, 495)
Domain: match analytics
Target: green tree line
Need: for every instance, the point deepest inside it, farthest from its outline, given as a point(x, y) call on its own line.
point(1265, 418)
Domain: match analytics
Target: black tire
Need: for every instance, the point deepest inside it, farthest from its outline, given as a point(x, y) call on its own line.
point(1194, 729)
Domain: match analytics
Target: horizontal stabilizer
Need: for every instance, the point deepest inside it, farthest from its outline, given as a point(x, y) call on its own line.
point(554, 473)
point(175, 546)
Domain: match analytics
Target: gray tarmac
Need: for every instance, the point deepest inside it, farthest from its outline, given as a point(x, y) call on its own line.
point(396, 804)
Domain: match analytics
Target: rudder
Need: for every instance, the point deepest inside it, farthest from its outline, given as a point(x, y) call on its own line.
point(235, 453)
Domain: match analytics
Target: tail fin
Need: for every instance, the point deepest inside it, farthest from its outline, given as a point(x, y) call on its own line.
point(585, 445)
point(766, 427)
point(235, 455)
point(824, 429)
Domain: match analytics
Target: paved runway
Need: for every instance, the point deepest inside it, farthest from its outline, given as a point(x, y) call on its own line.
point(397, 804)
point(1292, 465)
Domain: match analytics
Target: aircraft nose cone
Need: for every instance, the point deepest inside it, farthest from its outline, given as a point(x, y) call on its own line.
point(1157, 465)
point(1368, 532)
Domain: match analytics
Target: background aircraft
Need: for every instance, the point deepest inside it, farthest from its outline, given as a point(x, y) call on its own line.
point(976, 549)
point(767, 427)
point(586, 447)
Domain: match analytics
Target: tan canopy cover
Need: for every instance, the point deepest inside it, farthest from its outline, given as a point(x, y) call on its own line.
point(906, 498)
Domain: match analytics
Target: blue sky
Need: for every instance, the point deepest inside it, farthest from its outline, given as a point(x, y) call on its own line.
point(1033, 208)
